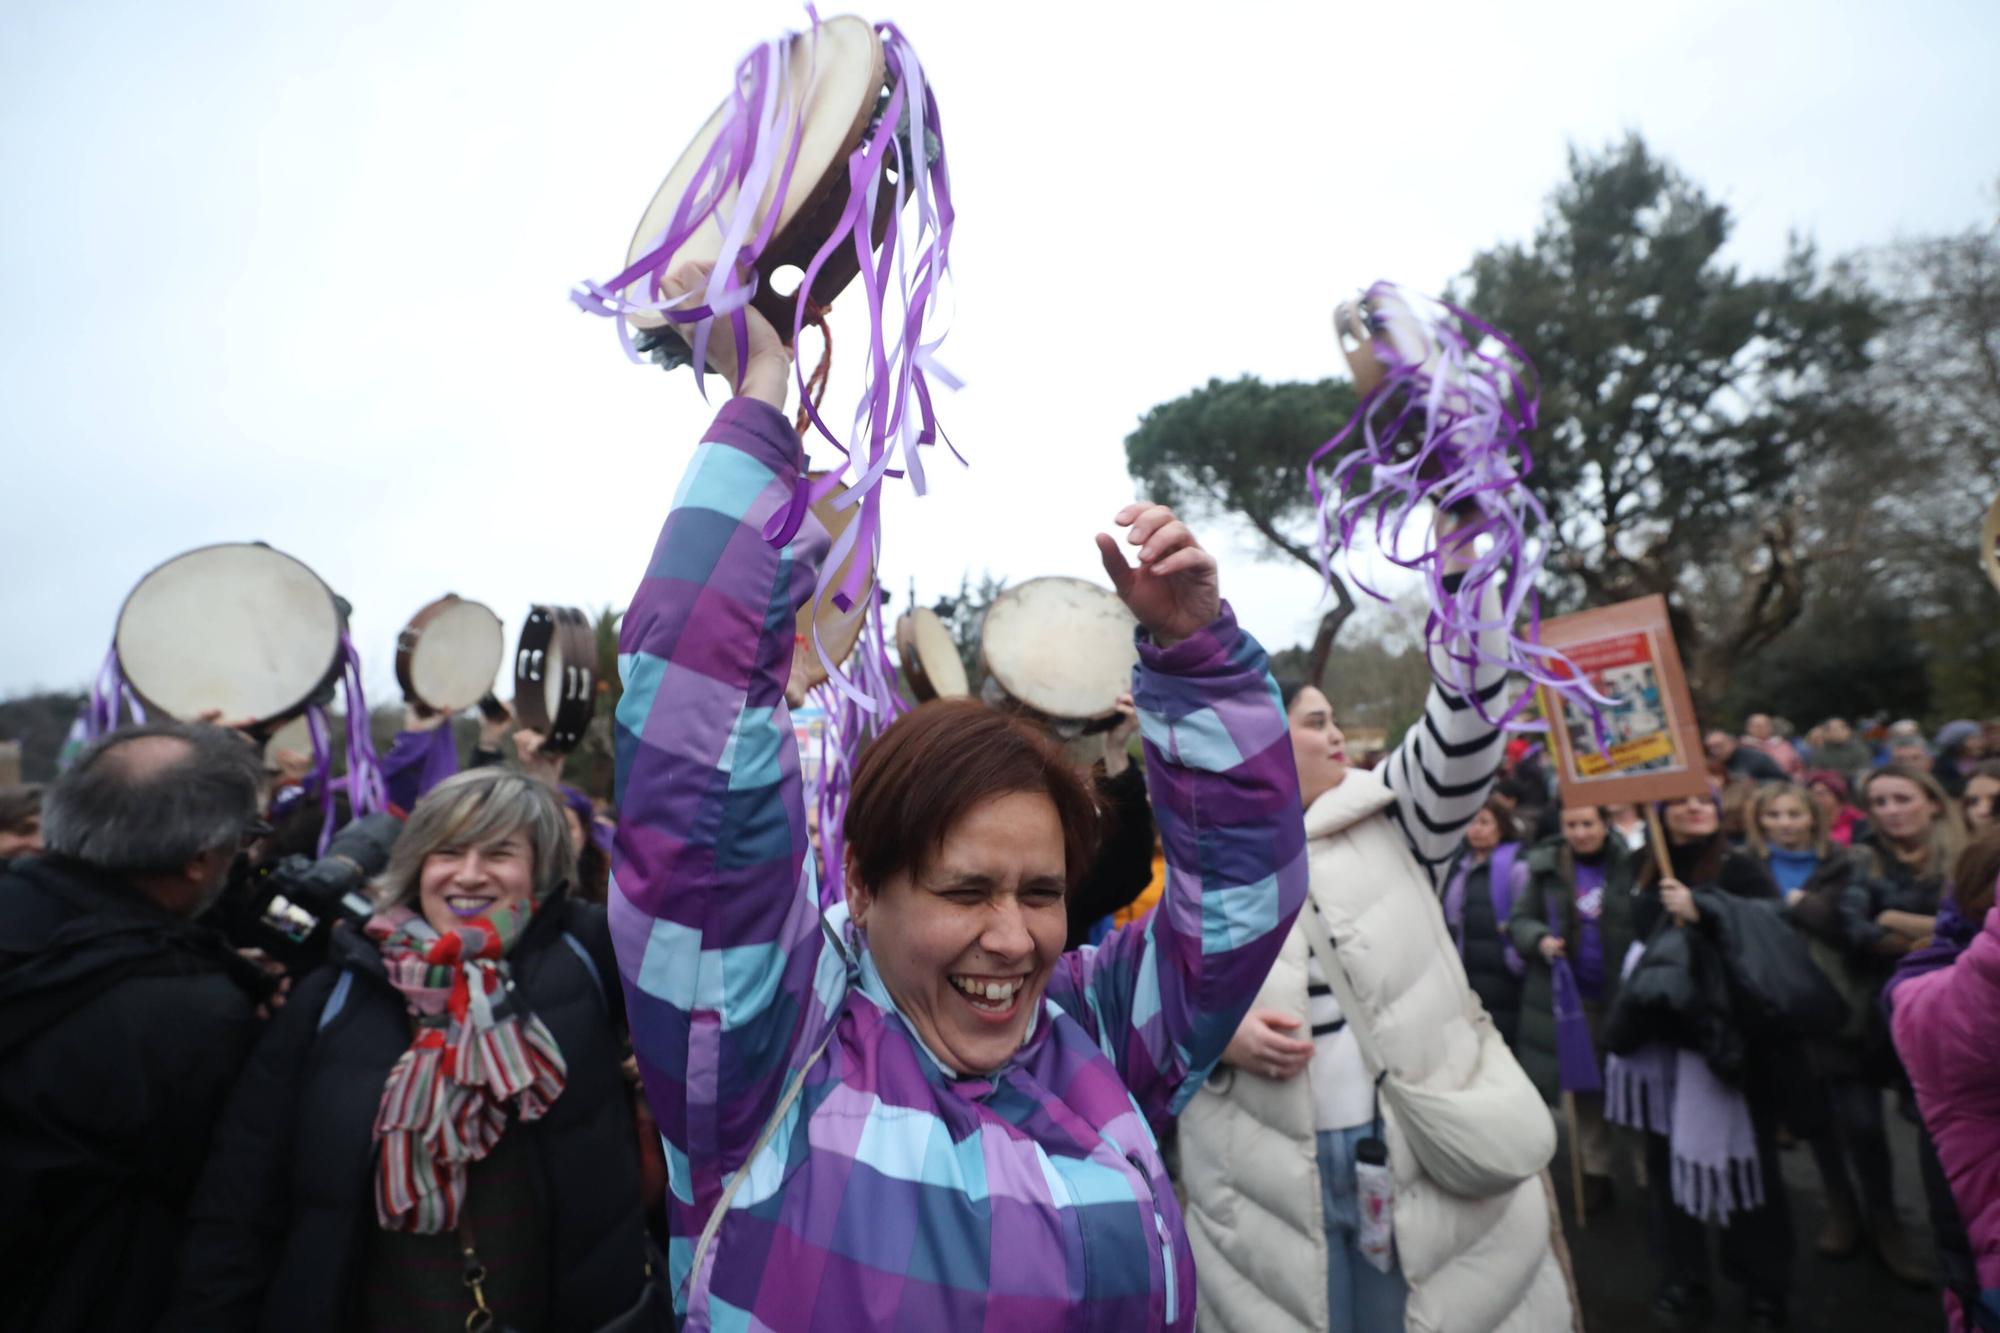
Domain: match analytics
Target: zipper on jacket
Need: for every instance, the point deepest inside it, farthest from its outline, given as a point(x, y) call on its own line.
point(1166, 1241)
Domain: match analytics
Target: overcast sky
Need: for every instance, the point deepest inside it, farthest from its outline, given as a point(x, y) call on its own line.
point(297, 272)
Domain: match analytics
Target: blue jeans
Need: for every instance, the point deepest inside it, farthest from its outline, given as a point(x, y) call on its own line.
point(1360, 1297)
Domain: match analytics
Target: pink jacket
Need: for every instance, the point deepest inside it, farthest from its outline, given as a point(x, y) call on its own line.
point(1947, 1027)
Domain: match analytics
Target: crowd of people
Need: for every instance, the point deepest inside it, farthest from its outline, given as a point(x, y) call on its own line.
point(1245, 1036)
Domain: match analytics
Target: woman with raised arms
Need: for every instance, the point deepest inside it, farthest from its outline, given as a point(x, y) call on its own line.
point(918, 1111)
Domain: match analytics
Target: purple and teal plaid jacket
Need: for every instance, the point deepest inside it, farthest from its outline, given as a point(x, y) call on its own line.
point(893, 1194)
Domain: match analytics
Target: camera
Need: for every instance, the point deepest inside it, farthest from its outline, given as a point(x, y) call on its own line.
point(290, 906)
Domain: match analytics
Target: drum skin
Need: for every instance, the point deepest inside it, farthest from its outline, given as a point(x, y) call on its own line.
point(555, 675)
point(448, 654)
point(237, 627)
point(1062, 647)
point(839, 630)
point(930, 657)
point(852, 74)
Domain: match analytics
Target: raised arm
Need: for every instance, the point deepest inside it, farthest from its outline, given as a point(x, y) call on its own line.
point(1165, 993)
point(1444, 767)
point(713, 905)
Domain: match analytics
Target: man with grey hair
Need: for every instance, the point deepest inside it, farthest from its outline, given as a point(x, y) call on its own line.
point(123, 1021)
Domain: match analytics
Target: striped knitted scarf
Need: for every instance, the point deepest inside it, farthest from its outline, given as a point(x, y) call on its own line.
point(474, 1050)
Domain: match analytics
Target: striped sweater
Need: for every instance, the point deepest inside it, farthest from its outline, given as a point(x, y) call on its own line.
point(893, 1195)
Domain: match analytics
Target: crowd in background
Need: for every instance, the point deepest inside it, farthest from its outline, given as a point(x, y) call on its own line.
point(240, 1137)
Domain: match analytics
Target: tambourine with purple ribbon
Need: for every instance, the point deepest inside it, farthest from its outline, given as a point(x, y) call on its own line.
point(825, 162)
point(1447, 402)
point(555, 675)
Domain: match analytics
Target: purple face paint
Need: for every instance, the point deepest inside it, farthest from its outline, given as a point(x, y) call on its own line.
point(1446, 430)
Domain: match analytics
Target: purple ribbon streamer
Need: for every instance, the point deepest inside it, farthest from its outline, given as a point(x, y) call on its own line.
point(1469, 413)
point(109, 698)
point(849, 727)
point(1576, 1059)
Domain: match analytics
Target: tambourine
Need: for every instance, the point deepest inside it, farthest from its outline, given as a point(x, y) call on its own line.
point(1062, 648)
point(846, 81)
point(555, 675)
point(1989, 543)
point(1361, 323)
point(929, 657)
point(448, 654)
point(839, 630)
point(238, 628)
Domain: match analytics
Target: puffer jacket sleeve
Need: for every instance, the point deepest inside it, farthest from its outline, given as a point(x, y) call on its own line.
point(713, 904)
point(238, 1217)
point(1164, 994)
point(1946, 1026)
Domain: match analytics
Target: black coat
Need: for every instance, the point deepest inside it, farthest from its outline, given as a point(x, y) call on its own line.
point(280, 1224)
point(1484, 948)
point(1737, 987)
point(122, 1028)
point(1124, 864)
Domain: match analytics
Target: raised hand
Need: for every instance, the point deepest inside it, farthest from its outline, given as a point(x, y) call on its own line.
point(767, 367)
point(1173, 589)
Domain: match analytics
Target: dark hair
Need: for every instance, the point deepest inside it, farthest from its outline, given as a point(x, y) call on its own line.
point(20, 807)
point(1972, 879)
point(933, 766)
point(124, 811)
point(1510, 828)
point(1288, 690)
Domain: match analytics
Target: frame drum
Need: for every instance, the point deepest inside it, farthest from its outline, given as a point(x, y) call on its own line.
point(238, 627)
point(448, 654)
point(555, 675)
point(839, 630)
point(1063, 647)
point(849, 76)
point(930, 657)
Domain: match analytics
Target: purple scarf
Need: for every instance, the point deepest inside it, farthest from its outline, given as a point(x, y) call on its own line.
point(1706, 1122)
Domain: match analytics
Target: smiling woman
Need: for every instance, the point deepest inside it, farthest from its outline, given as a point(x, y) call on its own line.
point(451, 1081)
point(916, 1110)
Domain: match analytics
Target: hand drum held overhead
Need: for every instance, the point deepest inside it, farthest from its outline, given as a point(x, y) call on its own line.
point(448, 654)
point(555, 675)
point(238, 627)
point(1061, 647)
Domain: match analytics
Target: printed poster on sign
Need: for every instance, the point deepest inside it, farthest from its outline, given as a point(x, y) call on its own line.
point(1651, 749)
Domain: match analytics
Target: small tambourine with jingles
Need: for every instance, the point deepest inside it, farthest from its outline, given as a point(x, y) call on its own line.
point(929, 657)
point(250, 634)
point(1061, 649)
point(555, 675)
point(448, 654)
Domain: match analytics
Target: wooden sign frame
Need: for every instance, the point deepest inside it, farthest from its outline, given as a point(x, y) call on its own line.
point(1628, 652)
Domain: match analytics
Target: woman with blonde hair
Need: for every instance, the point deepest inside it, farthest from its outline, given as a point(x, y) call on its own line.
point(1888, 909)
point(436, 1124)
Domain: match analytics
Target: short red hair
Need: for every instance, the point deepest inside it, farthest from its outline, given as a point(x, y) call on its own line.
point(934, 766)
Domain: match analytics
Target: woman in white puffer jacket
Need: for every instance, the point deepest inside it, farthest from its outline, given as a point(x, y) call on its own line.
point(1268, 1145)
